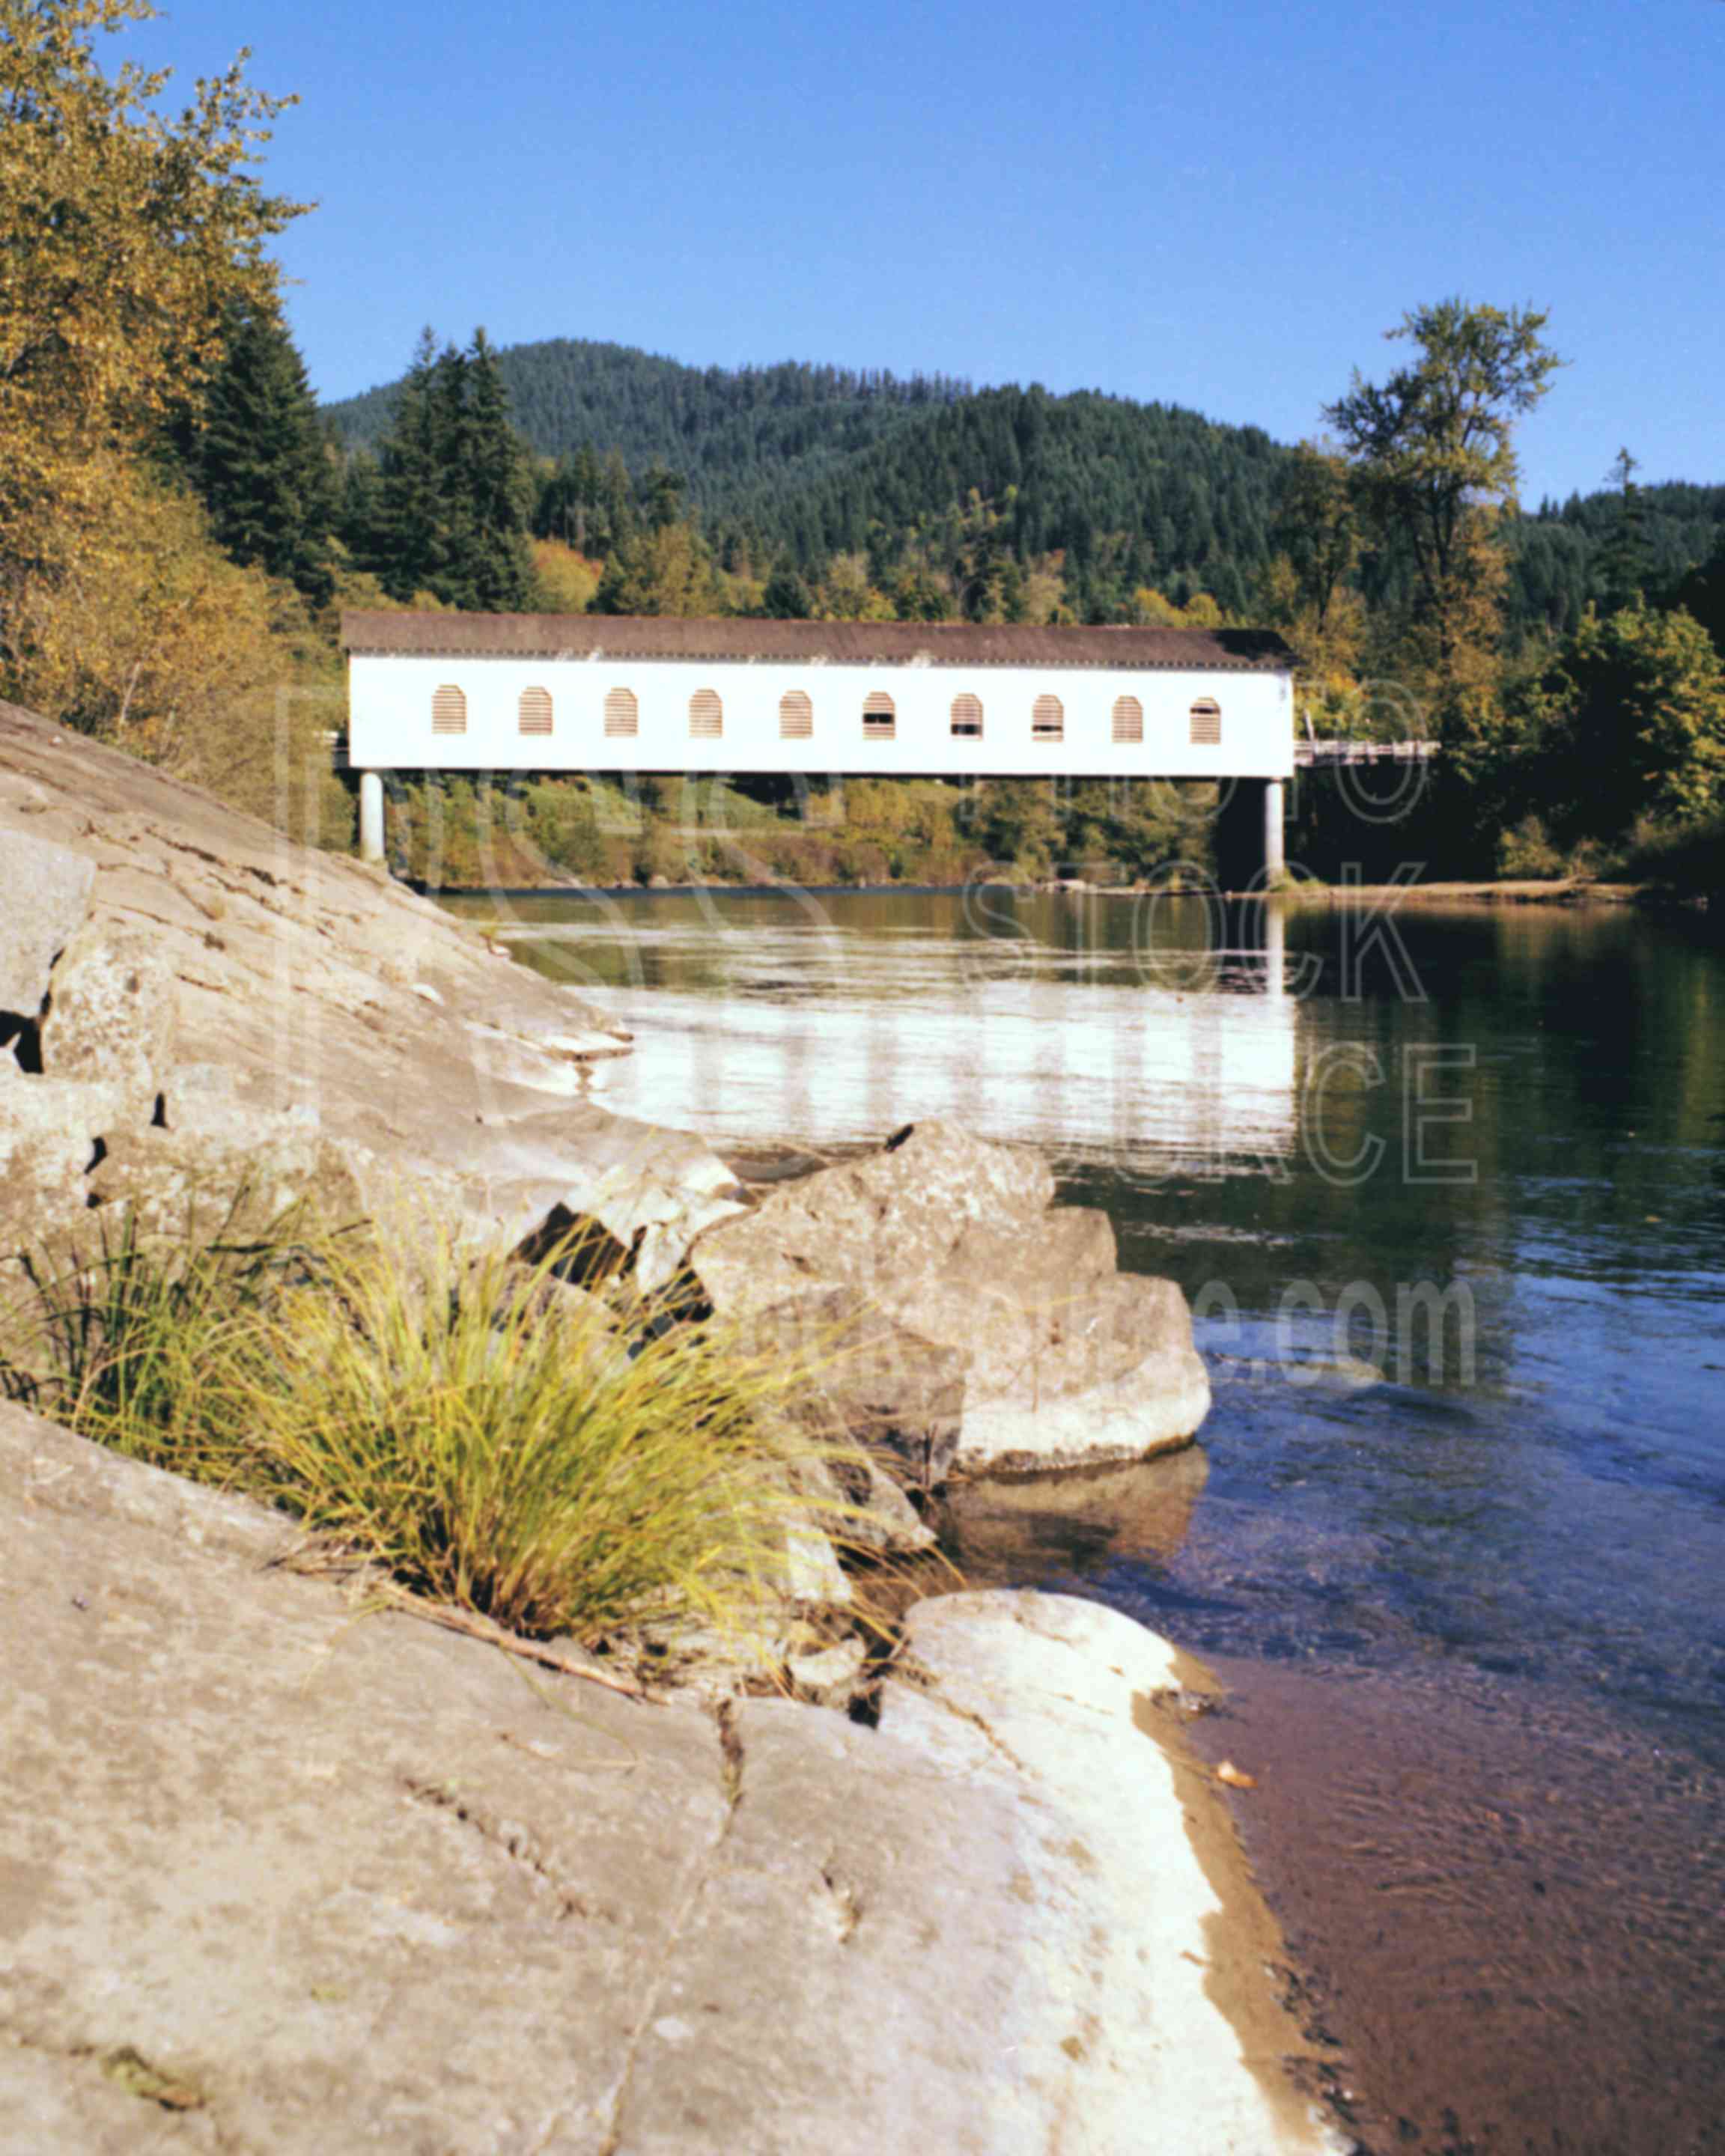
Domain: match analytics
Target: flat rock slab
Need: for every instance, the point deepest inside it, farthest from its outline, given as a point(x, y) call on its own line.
point(48, 895)
point(1003, 1940)
point(277, 1875)
point(317, 982)
point(349, 1881)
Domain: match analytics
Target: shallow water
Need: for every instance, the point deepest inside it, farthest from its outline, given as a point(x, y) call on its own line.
point(1510, 1549)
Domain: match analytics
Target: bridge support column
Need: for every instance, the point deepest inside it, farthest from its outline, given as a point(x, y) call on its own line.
point(1274, 857)
point(1276, 953)
point(370, 816)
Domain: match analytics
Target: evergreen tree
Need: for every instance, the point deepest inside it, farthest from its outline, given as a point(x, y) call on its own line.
point(1625, 559)
point(408, 544)
point(496, 492)
point(456, 488)
point(257, 452)
point(786, 598)
point(359, 518)
point(1701, 594)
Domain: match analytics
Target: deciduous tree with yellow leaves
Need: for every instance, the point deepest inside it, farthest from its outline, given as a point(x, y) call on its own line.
point(126, 239)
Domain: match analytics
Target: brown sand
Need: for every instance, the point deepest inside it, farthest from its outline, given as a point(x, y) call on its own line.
point(1510, 1915)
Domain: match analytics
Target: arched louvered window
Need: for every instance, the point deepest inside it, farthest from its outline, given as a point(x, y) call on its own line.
point(448, 710)
point(796, 715)
point(533, 711)
point(880, 717)
point(1048, 718)
point(706, 715)
point(623, 713)
point(1128, 719)
point(967, 716)
point(1206, 723)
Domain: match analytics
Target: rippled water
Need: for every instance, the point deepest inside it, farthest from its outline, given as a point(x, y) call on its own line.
point(1319, 1126)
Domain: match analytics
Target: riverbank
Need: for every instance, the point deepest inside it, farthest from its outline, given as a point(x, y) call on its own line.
point(1554, 891)
point(749, 1922)
point(1521, 891)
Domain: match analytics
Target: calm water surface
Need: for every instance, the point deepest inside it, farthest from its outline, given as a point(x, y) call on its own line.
point(1505, 1561)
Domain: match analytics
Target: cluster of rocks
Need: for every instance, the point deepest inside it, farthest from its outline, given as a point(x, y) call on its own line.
point(197, 1015)
point(954, 1315)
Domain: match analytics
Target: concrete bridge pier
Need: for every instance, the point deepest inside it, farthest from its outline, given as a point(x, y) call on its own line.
point(1274, 816)
point(370, 816)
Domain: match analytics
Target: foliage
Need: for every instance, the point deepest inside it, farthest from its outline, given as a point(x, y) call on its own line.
point(571, 392)
point(1564, 556)
point(449, 512)
point(663, 569)
point(961, 490)
point(456, 833)
point(564, 580)
point(125, 237)
point(258, 456)
point(1702, 594)
point(159, 644)
point(1432, 458)
point(1631, 717)
point(1688, 858)
point(845, 593)
point(491, 1438)
point(1528, 852)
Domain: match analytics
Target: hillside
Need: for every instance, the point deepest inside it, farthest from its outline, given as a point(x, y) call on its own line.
point(801, 462)
point(718, 426)
point(798, 462)
point(1564, 549)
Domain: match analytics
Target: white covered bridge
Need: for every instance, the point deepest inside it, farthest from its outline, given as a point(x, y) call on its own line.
point(510, 693)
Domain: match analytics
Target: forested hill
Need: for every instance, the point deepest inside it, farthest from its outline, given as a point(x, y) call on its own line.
point(1562, 549)
point(1132, 494)
point(796, 463)
point(719, 427)
point(808, 461)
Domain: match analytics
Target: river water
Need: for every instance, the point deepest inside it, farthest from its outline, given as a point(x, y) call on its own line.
point(1447, 1192)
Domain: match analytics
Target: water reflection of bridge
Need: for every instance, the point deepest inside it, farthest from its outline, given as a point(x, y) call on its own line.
point(1177, 1053)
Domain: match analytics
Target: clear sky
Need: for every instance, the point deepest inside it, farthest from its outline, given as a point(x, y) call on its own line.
point(1220, 205)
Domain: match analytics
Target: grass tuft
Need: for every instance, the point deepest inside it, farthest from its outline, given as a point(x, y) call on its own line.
point(491, 1437)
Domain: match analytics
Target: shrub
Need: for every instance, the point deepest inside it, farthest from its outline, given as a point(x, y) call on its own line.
point(1526, 851)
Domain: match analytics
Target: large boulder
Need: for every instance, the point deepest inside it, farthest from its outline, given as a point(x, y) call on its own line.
point(943, 1240)
point(111, 1012)
point(180, 1187)
point(1064, 1379)
point(52, 1134)
point(637, 1193)
point(875, 1222)
point(44, 895)
point(861, 1378)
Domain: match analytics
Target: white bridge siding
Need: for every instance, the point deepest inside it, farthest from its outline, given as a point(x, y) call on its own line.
point(503, 693)
point(390, 723)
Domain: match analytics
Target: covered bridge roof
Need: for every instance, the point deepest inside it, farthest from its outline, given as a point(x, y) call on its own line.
point(838, 643)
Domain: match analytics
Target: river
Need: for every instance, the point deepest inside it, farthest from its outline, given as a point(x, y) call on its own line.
point(1470, 1608)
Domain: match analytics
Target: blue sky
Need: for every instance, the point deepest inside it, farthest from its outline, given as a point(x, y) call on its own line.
point(1222, 206)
